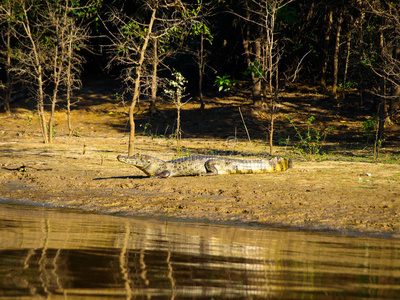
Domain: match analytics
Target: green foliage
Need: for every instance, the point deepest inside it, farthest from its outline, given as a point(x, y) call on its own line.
point(349, 85)
point(311, 140)
point(256, 69)
point(177, 86)
point(199, 28)
point(147, 132)
point(369, 127)
point(54, 130)
point(182, 153)
point(225, 83)
point(132, 29)
point(78, 133)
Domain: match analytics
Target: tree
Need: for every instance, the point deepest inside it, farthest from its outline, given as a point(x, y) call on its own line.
point(326, 44)
point(175, 90)
point(202, 31)
point(6, 16)
point(264, 66)
point(130, 39)
point(387, 67)
point(47, 34)
point(33, 54)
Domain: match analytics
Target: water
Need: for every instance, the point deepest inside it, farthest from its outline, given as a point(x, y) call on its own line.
point(64, 254)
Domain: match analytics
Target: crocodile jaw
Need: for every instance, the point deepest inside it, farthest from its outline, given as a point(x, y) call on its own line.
point(151, 166)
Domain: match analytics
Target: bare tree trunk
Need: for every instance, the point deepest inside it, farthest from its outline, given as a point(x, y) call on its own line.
point(136, 92)
point(69, 87)
point(325, 55)
point(178, 126)
point(336, 57)
point(154, 84)
point(256, 84)
point(382, 111)
point(201, 70)
point(37, 74)
point(9, 79)
point(40, 105)
point(56, 81)
point(256, 80)
point(348, 49)
point(361, 57)
point(53, 109)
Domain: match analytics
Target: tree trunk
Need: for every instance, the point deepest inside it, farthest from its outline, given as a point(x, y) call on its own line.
point(53, 109)
point(56, 78)
point(201, 70)
point(348, 49)
point(361, 57)
point(136, 92)
point(40, 106)
point(382, 111)
point(336, 57)
point(154, 84)
point(8, 68)
point(325, 55)
point(256, 83)
point(394, 105)
point(37, 74)
point(178, 126)
point(69, 87)
point(256, 79)
point(394, 102)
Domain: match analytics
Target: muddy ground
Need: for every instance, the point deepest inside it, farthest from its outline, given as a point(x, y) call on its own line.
point(342, 191)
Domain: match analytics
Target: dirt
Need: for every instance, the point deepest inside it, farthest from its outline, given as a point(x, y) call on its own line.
point(334, 195)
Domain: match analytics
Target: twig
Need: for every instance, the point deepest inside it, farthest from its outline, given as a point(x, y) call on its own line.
point(298, 66)
point(15, 117)
point(245, 127)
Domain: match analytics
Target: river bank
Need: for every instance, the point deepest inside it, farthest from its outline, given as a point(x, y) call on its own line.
point(83, 173)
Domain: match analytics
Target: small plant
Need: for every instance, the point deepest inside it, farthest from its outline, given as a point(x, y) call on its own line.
point(146, 126)
point(176, 93)
point(103, 156)
point(225, 83)
point(182, 153)
point(54, 131)
point(348, 85)
point(29, 119)
point(311, 140)
point(369, 128)
point(78, 133)
point(255, 68)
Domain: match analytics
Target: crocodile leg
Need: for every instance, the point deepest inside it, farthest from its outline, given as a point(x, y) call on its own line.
point(163, 174)
point(210, 167)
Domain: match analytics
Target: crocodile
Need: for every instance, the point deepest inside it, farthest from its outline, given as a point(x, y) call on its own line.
point(203, 165)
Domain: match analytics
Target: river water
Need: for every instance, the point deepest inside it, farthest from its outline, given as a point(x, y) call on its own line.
point(56, 253)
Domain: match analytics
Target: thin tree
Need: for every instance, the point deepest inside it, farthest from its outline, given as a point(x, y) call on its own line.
point(336, 55)
point(202, 30)
point(176, 91)
point(268, 53)
point(33, 55)
point(47, 34)
point(129, 45)
point(326, 43)
point(130, 39)
point(7, 10)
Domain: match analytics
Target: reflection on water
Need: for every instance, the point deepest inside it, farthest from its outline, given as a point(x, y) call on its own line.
point(54, 253)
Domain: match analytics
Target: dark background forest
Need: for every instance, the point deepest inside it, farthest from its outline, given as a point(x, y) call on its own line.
point(347, 50)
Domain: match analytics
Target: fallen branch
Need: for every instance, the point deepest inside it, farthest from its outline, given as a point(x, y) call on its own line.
point(15, 117)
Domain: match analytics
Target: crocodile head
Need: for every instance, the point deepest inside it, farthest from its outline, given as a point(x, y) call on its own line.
point(146, 163)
